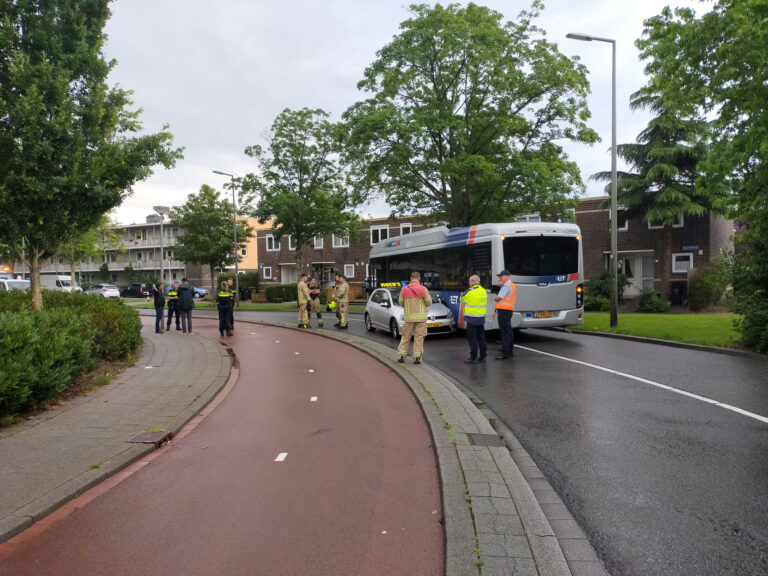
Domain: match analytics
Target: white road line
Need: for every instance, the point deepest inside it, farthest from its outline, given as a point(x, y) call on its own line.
point(313, 399)
point(281, 457)
point(757, 417)
point(311, 371)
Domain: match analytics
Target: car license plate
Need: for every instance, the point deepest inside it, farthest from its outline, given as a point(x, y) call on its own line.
point(434, 324)
point(542, 314)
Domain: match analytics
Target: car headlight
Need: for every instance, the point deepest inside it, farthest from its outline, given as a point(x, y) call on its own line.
point(450, 314)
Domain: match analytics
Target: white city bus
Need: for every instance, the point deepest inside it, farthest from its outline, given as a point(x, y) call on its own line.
point(545, 261)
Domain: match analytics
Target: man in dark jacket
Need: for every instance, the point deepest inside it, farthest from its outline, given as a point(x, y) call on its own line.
point(159, 307)
point(185, 305)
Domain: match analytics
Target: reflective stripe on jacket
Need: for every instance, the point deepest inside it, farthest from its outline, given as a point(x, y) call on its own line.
point(475, 301)
point(508, 301)
point(415, 298)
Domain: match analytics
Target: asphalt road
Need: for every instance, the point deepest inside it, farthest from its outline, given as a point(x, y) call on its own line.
point(663, 481)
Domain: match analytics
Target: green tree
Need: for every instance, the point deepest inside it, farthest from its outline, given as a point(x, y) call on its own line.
point(465, 115)
point(80, 246)
point(661, 186)
point(300, 183)
point(716, 66)
point(69, 152)
point(206, 219)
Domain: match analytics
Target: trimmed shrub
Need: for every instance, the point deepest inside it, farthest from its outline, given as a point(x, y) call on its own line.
point(600, 286)
point(650, 302)
point(707, 284)
point(597, 304)
point(282, 293)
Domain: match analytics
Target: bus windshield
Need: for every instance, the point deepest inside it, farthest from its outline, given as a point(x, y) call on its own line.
point(541, 255)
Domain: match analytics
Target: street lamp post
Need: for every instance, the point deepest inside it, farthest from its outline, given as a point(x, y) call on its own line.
point(162, 210)
point(234, 220)
point(613, 265)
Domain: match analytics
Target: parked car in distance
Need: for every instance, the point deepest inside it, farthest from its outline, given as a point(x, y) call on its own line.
point(13, 284)
point(137, 290)
point(382, 311)
point(199, 292)
point(104, 290)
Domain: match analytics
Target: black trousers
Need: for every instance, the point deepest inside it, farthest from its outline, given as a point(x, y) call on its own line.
point(507, 334)
point(171, 311)
point(476, 338)
point(224, 319)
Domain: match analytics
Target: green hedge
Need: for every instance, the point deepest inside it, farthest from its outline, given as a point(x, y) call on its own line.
point(44, 351)
point(282, 293)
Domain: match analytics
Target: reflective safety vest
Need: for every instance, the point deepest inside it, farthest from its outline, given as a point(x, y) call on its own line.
point(172, 293)
point(508, 302)
point(475, 300)
point(222, 294)
point(415, 298)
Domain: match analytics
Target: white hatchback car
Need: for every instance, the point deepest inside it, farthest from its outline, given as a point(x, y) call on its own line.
point(104, 290)
point(382, 311)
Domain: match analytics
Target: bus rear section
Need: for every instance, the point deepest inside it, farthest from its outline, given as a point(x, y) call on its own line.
point(547, 270)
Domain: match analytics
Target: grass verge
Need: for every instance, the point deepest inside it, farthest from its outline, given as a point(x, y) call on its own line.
point(705, 329)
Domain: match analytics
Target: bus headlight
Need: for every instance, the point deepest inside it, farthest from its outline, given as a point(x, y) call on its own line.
point(579, 296)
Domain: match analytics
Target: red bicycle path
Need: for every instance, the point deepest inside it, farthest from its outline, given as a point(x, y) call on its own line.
point(317, 461)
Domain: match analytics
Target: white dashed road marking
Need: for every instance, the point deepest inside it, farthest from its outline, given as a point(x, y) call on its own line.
point(281, 457)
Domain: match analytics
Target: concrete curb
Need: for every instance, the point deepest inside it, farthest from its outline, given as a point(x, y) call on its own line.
point(492, 518)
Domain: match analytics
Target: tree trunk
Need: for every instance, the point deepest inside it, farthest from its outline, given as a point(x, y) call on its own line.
point(34, 275)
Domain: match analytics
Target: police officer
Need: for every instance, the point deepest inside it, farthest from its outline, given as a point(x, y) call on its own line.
point(173, 305)
point(225, 303)
point(475, 300)
point(302, 291)
point(231, 318)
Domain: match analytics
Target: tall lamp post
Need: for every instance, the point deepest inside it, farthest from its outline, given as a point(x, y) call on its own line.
point(234, 220)
point(162, 210)
point(613, 265)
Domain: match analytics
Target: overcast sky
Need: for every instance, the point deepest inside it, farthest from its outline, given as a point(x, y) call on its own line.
point(219, 73)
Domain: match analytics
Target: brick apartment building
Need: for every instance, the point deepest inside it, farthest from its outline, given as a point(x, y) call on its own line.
point(652, 257)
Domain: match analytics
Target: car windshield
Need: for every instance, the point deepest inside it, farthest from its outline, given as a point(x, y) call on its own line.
point(18, 284)
point(109, 287)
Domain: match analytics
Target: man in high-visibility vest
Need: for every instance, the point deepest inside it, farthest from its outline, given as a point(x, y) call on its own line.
point(505, 306)
point(173, 306)
point(475, 300)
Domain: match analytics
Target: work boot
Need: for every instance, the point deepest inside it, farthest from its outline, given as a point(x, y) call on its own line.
point(221, 333)
point(401, 359)
point(417, 360)
point(229, 333)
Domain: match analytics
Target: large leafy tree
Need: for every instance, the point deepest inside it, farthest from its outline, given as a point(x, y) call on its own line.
point(83, 245)
point(69, 149)
point(466, 115)
point(300, 184)
point(206, 219)
point(661, 184)
point(716, 66)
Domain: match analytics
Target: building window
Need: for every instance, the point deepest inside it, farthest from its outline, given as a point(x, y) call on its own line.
point(656, 225)
point(266, 272)
point(169, 254)
point(339, 242)
point(318, 242)
point(406, 228)
point(272, 244)
point(349, 270)
point(528, 218)
point(682, 262)
point(621, 215)
point(138, 256)
point(291, 243)
point(379, 233)
point(244, 252)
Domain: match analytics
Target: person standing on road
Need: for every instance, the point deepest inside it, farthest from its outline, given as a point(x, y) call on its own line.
point(225, 302)
point(475, 300)
point(159, 307)
point(185, 306)
point(342, 301)
point(235, 296)
point(415, 298)
point(505, 306)
point(173, 305)
point(303, 297)
point(314, 293)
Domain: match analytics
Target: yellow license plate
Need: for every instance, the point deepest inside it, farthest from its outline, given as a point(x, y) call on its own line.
point(542, 314)
point(434, 324)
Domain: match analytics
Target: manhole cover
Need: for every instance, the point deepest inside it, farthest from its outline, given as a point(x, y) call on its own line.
point(155, 438)
point(485, 440)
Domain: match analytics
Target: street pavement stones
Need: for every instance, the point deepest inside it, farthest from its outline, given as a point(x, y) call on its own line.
point(59, 454)
point(500, 514)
